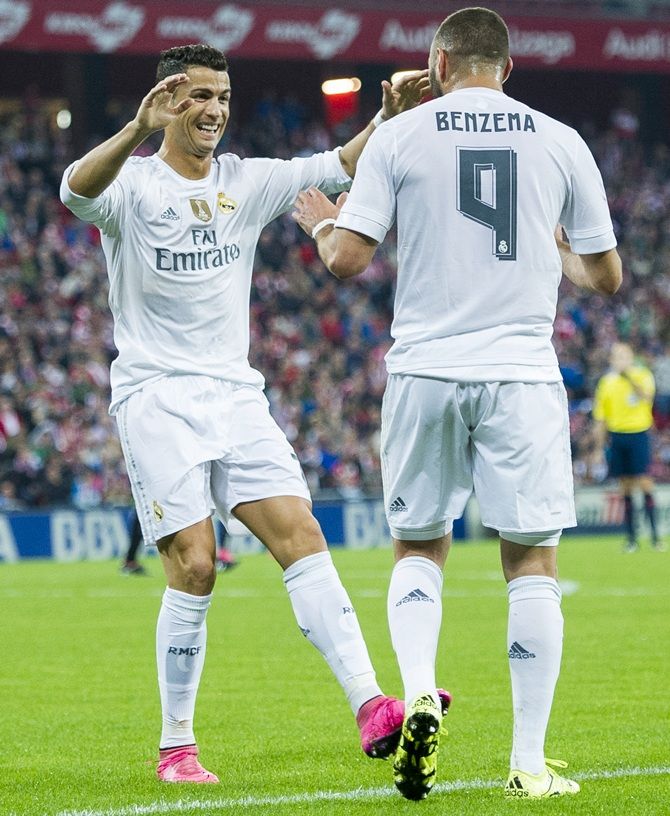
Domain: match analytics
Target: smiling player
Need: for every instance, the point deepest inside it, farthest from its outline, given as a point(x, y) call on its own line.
point(179, 231)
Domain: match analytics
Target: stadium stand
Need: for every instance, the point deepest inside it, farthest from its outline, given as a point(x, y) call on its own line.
point(319, 344)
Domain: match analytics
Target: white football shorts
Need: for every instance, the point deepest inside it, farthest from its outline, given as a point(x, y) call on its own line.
point(509, 442)
point(194, 444)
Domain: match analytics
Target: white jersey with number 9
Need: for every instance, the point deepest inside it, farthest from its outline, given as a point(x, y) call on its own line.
point(478, 183)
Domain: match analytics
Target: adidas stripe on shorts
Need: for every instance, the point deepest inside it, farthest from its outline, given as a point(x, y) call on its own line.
point(193, 444)
point(509, 442)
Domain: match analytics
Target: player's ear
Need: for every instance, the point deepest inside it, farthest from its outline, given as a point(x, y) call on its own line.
point(442, 65)
point(508, 69)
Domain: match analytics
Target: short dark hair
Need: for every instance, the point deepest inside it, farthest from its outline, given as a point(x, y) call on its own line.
point(178, 59)
point(475, 35)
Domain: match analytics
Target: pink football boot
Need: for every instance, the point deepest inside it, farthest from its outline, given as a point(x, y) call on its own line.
point(380, 723)
point(181, 765)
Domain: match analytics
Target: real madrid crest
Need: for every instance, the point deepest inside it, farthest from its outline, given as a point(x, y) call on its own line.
point(201, 209)
point(159, 513)
point(225, 204)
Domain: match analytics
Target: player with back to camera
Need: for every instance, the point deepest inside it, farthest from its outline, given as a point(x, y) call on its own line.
point(622, 410)
point(179, 230)
point(478, 183)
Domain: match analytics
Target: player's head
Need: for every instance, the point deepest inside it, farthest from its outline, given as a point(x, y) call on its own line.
point(474, 42)
point(179, 59)
point(621, 357)
point(199, 129)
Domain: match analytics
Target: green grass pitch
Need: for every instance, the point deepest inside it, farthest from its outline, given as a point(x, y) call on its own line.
point(80, 716)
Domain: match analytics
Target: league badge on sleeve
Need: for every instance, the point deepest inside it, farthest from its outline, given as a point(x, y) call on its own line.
point(225, 204)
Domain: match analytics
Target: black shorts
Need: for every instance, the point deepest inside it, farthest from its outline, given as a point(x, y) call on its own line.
point(629, 454)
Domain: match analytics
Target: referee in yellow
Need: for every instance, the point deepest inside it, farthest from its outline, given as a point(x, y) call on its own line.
point(622, 407)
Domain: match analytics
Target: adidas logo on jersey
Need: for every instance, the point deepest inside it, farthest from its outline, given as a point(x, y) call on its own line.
point(170, 214)
point(416, 596)
point(516, 650)
point(398, 506)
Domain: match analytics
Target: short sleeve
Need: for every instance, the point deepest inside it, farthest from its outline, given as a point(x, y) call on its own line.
point(106, 210)
point(278, 181)
point(586, 217)
point(370, 207)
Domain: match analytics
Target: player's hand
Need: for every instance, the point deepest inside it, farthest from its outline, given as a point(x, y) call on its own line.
point(404, 94)
point(158, 109)
point(312, 206)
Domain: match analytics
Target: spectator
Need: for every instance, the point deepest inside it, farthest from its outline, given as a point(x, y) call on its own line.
point(321, 348)
point(661, 370)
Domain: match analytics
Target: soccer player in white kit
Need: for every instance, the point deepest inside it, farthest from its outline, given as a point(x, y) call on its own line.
point(179, 231)
point(478, 183)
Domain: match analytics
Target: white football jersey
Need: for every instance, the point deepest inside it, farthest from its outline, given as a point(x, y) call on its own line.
point(180, 255)
point(478, 183)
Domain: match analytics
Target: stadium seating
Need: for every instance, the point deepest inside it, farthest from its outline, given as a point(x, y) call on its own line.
point(319, 343)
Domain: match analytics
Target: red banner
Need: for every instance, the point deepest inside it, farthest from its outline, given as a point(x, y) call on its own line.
point(276, 32)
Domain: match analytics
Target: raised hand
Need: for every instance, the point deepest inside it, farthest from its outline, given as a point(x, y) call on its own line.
point(157, 109)
point(405, 93)
point(312, 207)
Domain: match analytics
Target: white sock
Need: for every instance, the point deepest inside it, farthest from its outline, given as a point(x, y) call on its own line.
point(535, 643)
point(414, 609)
point(326, 617)
point(181, 636)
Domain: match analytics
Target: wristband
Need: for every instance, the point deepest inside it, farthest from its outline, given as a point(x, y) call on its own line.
point(327, 222)
point(379, 118)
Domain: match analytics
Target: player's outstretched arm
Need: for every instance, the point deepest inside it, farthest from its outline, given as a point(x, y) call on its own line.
point(344, 253)
point(95, 171)
point(402, 95)
point(599, 272)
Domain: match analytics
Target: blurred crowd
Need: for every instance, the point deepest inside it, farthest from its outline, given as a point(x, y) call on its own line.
point(319, 343)
point(637, 180)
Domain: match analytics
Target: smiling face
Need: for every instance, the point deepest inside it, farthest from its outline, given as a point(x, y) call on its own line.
point(198, 130)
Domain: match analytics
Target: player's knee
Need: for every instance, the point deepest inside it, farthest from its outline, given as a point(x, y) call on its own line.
point(198, 572)
point(307, 535)
point(435, 549)
point(300, 538)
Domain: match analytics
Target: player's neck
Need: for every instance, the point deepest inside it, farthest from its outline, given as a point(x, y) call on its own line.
point(187, 165)
point(458, 83)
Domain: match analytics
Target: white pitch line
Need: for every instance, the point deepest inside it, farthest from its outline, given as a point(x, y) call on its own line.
point(359, 794)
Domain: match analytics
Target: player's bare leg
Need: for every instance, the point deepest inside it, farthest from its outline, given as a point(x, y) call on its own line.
point(324, 612)
point(188, 558)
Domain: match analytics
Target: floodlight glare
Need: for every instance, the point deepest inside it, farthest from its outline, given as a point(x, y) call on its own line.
point(64, 119)
point(334, 87)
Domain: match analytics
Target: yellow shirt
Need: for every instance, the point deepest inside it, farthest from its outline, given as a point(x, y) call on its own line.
point(617, 404)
